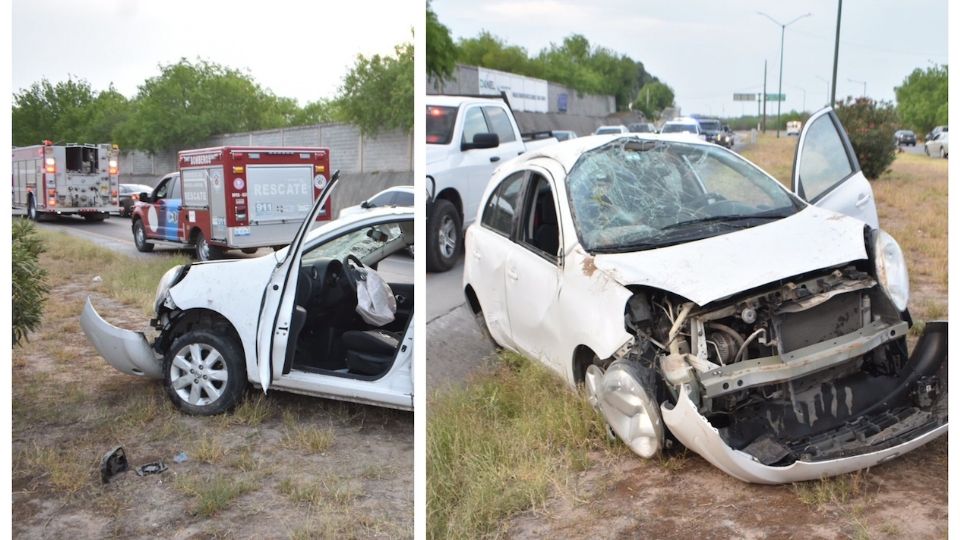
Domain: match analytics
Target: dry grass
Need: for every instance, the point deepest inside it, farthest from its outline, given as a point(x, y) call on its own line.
point(212, 494)
point(837, 490)
point(308, 439)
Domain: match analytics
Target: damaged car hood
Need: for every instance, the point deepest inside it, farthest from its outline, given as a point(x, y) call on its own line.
point(720, 266)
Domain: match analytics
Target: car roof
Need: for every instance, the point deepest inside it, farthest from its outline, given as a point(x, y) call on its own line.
point(456, 101)
point(568, 152)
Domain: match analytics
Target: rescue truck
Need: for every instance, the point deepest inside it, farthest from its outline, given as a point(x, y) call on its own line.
point(232, 197)
point(68, 179)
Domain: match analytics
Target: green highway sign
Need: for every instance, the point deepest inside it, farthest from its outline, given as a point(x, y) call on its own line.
point(776, 97)
point(745, 97)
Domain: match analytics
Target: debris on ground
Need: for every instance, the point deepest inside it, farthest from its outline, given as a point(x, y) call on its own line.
point(113, 463)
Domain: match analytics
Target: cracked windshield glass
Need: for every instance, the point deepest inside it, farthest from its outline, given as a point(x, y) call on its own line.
point(635, 194)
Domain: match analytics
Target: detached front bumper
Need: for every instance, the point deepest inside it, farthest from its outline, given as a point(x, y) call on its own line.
point(695, 432)
point(125, 350)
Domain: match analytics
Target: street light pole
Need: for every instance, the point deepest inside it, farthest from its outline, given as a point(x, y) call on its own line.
point(783, 28)
point(836, 56)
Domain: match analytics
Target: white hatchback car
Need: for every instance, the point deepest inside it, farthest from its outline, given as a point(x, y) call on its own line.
point(696, 298)
point(392, 196)
point(288, 320)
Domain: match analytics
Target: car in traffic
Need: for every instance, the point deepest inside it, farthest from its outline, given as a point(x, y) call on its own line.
point(129, 195)
point(321, 317)
point(726, 138)
point(642, 127)
point(683, 127)
point(934, 132)
point(392, 196)
point(793, 127)
point(904, 137)
point(939, 145)
point(699, 301)
point(711, 128)
point(607, 130)
point(563, 134)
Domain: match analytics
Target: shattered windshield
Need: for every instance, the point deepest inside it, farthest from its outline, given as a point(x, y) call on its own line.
point(634, 194)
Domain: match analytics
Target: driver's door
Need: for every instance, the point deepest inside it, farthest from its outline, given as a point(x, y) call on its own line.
point(827, 173)
point(276, 311)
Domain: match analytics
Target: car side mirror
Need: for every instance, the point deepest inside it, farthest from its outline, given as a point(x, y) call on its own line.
point(482, 141)
point(144, 196)
point(365, 205)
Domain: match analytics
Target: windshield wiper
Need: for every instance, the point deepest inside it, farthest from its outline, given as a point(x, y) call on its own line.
point(731, 220)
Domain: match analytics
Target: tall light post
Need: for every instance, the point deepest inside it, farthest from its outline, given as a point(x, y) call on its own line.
point(783, 28)
point(864, 83)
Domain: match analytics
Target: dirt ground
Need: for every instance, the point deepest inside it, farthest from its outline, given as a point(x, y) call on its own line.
point(279, 466)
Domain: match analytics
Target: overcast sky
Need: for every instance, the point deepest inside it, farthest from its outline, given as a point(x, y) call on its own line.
point(707, 50)
point(297, 49)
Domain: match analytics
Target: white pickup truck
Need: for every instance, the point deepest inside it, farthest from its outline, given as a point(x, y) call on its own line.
point(468, 137)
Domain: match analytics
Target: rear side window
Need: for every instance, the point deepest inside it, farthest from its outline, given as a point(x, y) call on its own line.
point(501, 207)
point(383, 199)
point(823, 161)
point(403, 198)
point(500, 123)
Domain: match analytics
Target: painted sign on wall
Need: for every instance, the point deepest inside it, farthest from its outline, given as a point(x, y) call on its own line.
point(525, 93)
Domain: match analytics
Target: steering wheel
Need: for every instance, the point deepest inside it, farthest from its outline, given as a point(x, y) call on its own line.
point(351, 268)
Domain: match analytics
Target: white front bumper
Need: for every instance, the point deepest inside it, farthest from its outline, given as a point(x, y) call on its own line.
point(696, 433)
point(125, 350)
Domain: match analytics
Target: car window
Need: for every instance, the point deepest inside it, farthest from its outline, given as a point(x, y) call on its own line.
point(500, 123)
point(500, 209)
point(382, 199)
point(174, 192)
point(473, 123)
point(823, 159)
point(403, 198)
point(440, 121)
point(161, 190)
point(541, 231)
point(369, 244)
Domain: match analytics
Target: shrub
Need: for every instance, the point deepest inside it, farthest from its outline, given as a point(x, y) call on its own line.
point(870, 126)
point(29, 280)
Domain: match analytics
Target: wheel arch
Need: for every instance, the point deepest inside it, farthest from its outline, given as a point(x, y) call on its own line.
point(190, 319)
point(583, 356)
point(452, 195)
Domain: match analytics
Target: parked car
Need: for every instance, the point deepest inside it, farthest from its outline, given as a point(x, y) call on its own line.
point(726, 138)
point(696, 298)
point(683, 126)
point(934, 132)
point(793, 127)
point(308, 319)
point(939, 145)
point(642, 127)
point(904, 137)
point(607, 130)
point(129, 195)
point(564, 134)
point(392, 196)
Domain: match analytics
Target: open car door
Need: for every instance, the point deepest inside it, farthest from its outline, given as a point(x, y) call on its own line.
point(826, 171)
point(273, 327)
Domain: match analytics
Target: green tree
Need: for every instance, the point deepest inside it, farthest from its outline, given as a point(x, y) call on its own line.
point(377, 93)
point(922, 99)
point(29, 280)
point(489, 51)
point(187, 103)
point(653, 98)
point(441, 51)
point(51, 111)
point(870, 126)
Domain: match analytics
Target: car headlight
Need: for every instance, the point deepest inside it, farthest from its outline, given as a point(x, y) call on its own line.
point(892, 269)
point(169, 279)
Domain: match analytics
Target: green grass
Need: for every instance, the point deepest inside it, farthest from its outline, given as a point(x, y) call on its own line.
point(500, 444)
point(133, 282)
point(211, 494)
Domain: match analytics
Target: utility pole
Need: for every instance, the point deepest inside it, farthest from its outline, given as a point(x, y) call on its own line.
point(836, 55)
point(783, 29)
point(763, 122)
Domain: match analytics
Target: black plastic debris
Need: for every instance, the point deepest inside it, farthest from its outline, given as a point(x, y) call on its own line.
point(156, 467)
point(113, 463)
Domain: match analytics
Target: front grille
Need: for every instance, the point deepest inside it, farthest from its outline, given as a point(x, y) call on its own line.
point(838, 316)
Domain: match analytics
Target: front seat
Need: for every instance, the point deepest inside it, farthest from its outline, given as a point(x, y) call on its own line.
point(369, 352)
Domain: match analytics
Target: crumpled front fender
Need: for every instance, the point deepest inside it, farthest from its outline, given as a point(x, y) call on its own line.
point(123, 349)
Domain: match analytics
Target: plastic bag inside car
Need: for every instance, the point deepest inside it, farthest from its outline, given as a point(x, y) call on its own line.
point(375, 300)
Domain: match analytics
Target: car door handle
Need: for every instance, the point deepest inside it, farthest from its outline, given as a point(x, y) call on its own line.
point(512, 274)
point(864, 199)
point(494, 159)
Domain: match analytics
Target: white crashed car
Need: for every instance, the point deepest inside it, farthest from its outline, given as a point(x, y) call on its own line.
point(392, 196)
point(698, 300)
point(312, 318)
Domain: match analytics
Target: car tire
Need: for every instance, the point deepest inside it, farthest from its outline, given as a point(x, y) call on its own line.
point(95, 218)
point(249, 251)
point(444, 236)
point(32, 213)
point(203, 250)
point(943, 155)
point(140, 237)
point(204, 372)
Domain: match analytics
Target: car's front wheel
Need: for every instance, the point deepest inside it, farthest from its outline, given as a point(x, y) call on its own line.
point(140, 237)
point(204, 372)
point(444, 235)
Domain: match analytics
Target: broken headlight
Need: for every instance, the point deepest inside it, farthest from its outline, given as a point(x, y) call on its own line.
point(891, 269)
point(169, 279)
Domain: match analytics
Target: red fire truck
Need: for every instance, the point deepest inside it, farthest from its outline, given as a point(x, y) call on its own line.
point(232, 197)
point(68, 179)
